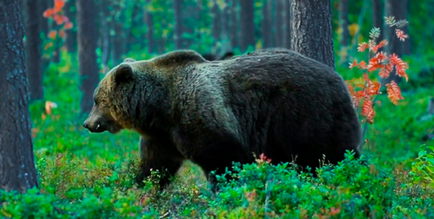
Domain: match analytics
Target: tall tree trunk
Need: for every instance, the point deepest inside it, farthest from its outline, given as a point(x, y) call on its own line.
point(88, 67)
point(118, 38)
point(247, 22)
point(226, 29)
point(266, 25)
point(17, 164)
point(71, 34)
point(345, 35)
point(279, 22)
point(43, 27)
point(398, 9)
point(216, 22)
point(150, 30)
point(177, 11)
point(132, 40)
point(288, 23)
point(377, 17)
point(234, 24)
point(33, 50)
point(311, 30)
point(106, 45)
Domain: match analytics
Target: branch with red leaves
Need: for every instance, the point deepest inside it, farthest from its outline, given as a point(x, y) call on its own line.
point(56, 14)
point(384, 64)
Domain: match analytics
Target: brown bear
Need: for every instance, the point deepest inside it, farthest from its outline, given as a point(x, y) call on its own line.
point(212, 57)
point(272, 101)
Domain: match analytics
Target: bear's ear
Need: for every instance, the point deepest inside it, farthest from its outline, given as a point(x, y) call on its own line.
point(129, 60)
point(124, 73)
point(227, 55)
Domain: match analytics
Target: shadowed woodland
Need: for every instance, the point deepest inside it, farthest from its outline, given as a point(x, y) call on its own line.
point(55, 52)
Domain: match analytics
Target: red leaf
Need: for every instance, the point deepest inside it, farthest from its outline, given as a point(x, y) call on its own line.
point(384, 73)
point(58, 4)
point(368, 110)
point(400, 34)
point(362, 47)
point(400, 66)
point(394, 93)
point(381, 44)
point(68, 25)
point(354, 64)
point(52, 34)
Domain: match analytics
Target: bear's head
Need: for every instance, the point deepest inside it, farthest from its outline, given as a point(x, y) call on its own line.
point(134, 94)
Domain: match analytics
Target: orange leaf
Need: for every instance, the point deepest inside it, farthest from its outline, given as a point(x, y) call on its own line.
point(354, 64)
point(62, 33)
point(372, 45)
point(400, 66)
point(48, 13)
point(350, 88)
point(368, 110)
point(58, 19)
point(48, 106)
point(52, 34)
point(362, 47)
point(362, 65)
point(59, 4)
point(400, 34)
point(384, 73)
point(357, 97)
point(394, 93)
point(372, 88)
point(381, 44)
point(68, 25)
point(48, 45)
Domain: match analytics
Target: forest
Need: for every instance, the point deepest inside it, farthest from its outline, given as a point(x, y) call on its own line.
point(55, 53)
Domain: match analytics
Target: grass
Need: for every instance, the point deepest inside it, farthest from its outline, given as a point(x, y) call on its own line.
point(83, 175)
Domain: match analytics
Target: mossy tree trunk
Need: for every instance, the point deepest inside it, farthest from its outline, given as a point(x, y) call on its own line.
point(311, 30)
point(87, 41)
point(17, 165)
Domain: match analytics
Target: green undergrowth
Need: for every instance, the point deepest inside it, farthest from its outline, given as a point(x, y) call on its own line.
point(83, 175)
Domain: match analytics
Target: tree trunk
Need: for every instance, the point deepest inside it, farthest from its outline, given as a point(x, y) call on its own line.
point(226, 22)
point(33, 50)
point(88, 67)
point(106, 45)
point(345, 35)
point(150, 30)
point(17, 165)
point(177, 11)
point(216, 22)
point(266, 25)
point(288, 23)
point(118, 37)
point(234, 24)
point(132, 40)
point(311, 30)
point(71, 34)
point(279, 23)
point(247, 22)
point(377, 17)
point(398, 9)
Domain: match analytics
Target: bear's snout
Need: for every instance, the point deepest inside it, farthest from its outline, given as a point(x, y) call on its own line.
point(94, 126)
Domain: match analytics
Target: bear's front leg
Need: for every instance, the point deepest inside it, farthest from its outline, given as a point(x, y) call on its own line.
point(161, 155)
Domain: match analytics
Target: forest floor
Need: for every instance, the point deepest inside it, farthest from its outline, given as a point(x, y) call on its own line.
point(84, 175)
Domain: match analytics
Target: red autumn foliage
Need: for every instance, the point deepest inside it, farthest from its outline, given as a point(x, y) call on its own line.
point(384, 64)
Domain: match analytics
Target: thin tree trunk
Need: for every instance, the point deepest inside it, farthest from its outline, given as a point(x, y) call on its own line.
point(311, 30)
point(17, 164)
point(234, 24)
point(33, 50)
point(177, 11)
point(398, 9)
point(150, 30)
point(266, 25)
point(345, 35)
point(87, 41)
point(279, 22)
point(71, 34)
point(247, 22)
point(377, 17)
point(288, 23)
point(216, 22)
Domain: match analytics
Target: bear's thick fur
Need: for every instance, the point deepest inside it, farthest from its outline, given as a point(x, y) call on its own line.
point(273, 101)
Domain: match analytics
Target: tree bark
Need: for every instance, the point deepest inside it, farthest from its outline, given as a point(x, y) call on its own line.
point(279, 23)
point(71, 34)
point(17, 165)
point(234, 24)
point(88, 67)
point(311, 30)
point(33, 50)
point(287, 23)
point(266, 25)
point(399, 10)
point(150, 30)
point(247, 21)
point(216, 22)
point(377, 17)
point(106, 27)
point(177, 11)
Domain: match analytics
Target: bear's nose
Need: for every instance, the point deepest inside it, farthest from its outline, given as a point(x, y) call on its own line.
point(86, 125)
